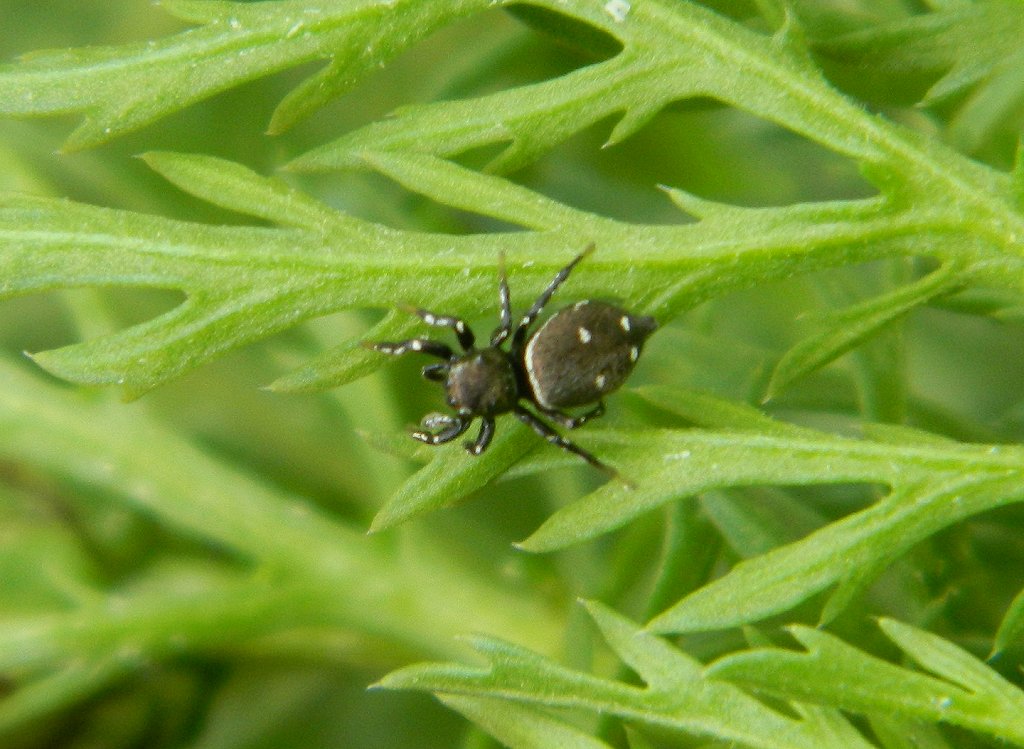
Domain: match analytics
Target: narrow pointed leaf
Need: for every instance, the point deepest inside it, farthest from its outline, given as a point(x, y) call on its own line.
point(681, 701)
point(519, 726)
point(865, 684)
point(1011, 628)
point(346, 362)
point(844, 330)
point(675, 464)
point(452, 475)
point(237, 188)
point(848, 551)
point(122, 88)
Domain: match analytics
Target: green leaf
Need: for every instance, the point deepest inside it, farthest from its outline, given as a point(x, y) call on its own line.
point(848, 553)
point(934, 484)
point(238, 188)
point(245, 283)
point(451, 476)
point(845, 329)
point(984, 80)
point(901, 733)
point(122, 88)
point(673, 51)
point(707, 410)
point(676, 698)
point(670, 52)
point(963, 692)
point(678, 463)
point(346, 362)
point(242, 283)
point(944, 41)
point(757, 521)
point(454, 186)
point(520, 726)
point(1011, 628)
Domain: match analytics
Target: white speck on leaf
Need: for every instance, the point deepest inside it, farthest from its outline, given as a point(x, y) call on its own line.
point(617, 9)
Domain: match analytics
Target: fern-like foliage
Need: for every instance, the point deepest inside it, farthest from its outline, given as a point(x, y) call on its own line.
point(983, 81)
point(679, 696)
point(267, 571)
point(122, 88)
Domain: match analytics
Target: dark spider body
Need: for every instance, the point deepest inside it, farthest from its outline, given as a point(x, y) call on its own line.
point(582, 353)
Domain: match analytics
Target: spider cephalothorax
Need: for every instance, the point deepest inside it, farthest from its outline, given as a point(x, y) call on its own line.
point(582, 353)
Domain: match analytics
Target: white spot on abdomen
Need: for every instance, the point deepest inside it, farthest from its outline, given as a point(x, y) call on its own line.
point(624, 322)
point(584, 335)
point(600, 381)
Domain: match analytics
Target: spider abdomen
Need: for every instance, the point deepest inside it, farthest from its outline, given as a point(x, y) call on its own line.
point(582, 353)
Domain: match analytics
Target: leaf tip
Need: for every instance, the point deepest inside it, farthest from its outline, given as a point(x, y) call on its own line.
point(782, 376)
point(153, 159)
point(45, 360)
point(382, 521)
point(691, 204)
point(631, 121)
point(284, 384)
point(395, 680)
point(529, 545)
point(662, 624)
point(88, 134)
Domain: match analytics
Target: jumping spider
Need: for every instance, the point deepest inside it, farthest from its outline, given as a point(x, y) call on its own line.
point(580, 354)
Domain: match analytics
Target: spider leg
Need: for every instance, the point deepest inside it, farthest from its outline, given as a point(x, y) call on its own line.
point(462, 331)
point(505, 303)
point(547, 432)
point(449, 428)
point(434, 421)
point(572, 422)
point(436, 372)
point(483, 439)
point(423, 345)
point(520, 333)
